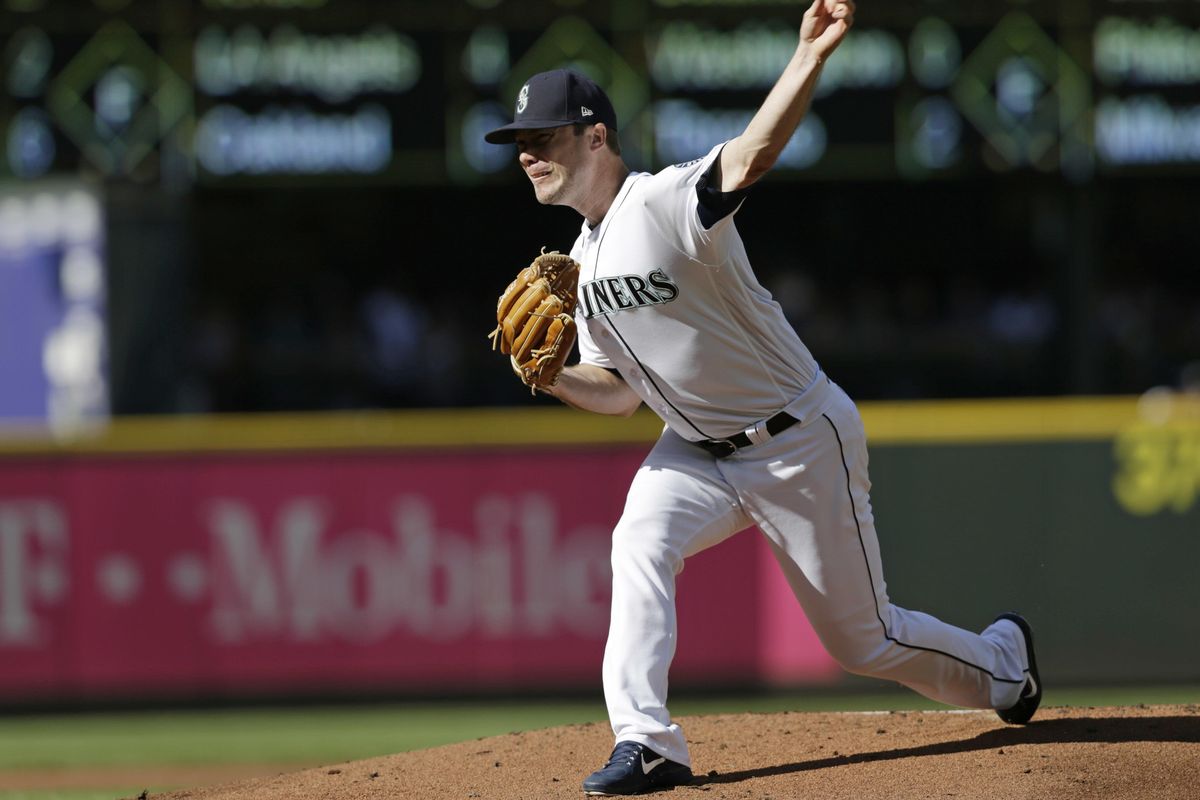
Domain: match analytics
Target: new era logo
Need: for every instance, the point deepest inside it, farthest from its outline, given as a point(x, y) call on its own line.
point(585, 111)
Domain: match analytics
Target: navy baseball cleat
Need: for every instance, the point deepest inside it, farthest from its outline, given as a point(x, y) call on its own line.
point(634, 769)
point(1031, 693)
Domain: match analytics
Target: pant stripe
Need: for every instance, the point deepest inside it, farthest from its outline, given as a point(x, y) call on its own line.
point(866, 560)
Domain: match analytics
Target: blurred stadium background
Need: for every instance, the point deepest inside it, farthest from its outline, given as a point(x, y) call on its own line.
point(254, 446)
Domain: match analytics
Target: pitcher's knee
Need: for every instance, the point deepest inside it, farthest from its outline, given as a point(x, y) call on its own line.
point(861, 658)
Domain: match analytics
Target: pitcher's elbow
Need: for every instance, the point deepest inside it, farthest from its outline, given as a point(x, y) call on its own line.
point(752, 171)
point(630, 410)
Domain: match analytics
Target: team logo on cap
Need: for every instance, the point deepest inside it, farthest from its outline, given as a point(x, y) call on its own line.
point(523, 99)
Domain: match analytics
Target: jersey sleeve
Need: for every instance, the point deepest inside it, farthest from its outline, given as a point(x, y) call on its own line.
point(714, 204)
point(687, 209)
point(589, 353)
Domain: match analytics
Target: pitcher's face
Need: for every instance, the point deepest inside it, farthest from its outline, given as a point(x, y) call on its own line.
point(553, 160)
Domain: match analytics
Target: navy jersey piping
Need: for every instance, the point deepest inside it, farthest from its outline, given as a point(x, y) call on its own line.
point(871, 578)
point(609, 320)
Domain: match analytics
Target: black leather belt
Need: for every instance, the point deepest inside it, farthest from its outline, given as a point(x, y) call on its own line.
point(727, 447)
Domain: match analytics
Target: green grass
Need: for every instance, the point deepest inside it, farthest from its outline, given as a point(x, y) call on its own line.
point(322, 735)
point(81, 794)
point(106, 794)
point(263, 735)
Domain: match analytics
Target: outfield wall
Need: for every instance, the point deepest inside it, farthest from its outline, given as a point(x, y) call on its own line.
point(411, 552)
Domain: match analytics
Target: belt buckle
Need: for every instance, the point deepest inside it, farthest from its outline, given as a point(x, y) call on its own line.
point(722, 448)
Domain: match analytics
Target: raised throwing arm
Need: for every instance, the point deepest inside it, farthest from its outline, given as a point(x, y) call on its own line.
point(748, 157)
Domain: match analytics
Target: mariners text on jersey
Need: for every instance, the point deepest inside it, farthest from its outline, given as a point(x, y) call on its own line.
point(610, 295)
point(664, 289)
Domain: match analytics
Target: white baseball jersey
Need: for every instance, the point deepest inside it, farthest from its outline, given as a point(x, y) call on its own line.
point(660, 295)
point(674, 306)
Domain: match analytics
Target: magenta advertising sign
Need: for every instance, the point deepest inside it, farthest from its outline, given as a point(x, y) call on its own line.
point(308, 573)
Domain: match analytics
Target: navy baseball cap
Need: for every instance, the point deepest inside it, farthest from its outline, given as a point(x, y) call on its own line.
point(553, 99)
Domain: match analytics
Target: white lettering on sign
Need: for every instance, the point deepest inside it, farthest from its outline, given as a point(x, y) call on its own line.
point(692, 57)
point(33, 568)
point(1145, 129)
point(293, 141)
point(683, 128)
point(1134, 52)
point(335, 68)
point(296, 578)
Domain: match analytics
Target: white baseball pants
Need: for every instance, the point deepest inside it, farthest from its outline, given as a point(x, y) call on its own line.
point(807, 491)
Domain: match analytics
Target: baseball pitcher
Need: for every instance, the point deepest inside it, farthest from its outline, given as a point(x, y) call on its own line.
point(667, 311)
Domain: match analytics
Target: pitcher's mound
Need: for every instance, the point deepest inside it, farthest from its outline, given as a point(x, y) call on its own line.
point(1150, 752)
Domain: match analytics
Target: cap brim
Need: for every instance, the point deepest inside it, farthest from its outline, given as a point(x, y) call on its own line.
point(508, 133)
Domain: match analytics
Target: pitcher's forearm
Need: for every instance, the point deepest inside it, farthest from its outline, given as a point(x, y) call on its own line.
point(758, 148)
point(749, 156)
point(592, 388)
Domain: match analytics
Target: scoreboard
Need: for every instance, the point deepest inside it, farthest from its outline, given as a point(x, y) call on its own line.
point(247, 92)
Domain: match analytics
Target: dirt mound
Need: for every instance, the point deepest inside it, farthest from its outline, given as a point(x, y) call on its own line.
point(1127, 753)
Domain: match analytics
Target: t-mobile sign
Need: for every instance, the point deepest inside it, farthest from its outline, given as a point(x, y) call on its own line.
point(241, 574)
